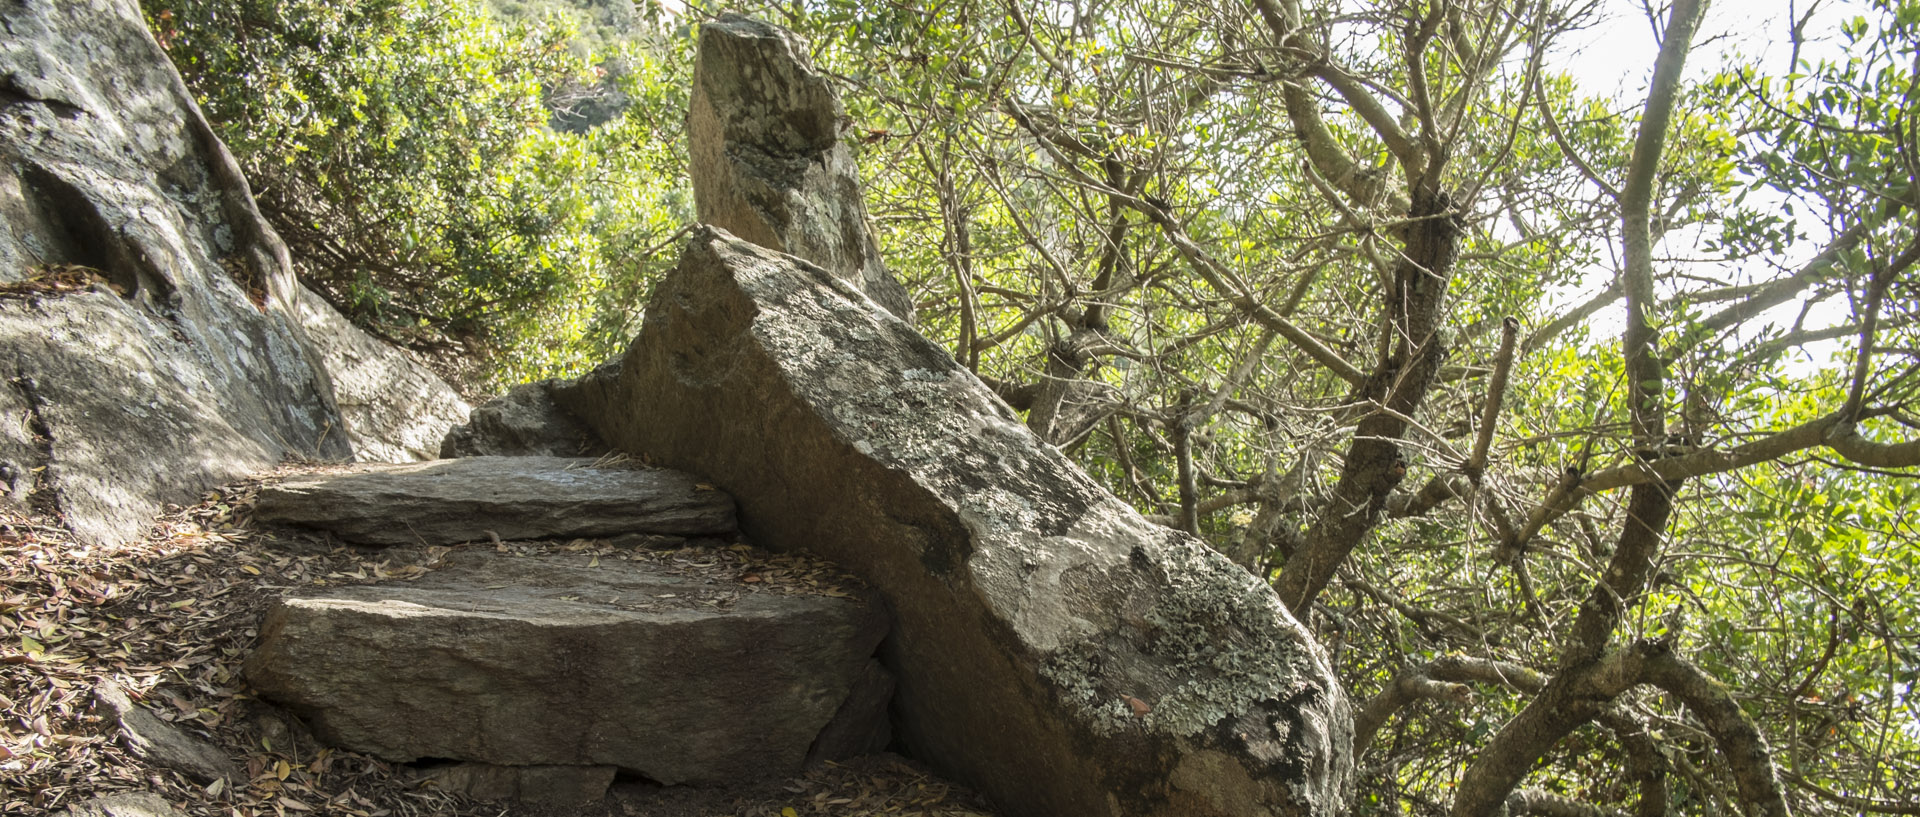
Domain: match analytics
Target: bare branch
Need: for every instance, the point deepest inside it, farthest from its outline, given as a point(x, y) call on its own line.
point(1566, 148)
point(1739, 740)
point(1439, 488)
point(1864, 804)
point(1444, 677)
point(1573, 317)
point(1323, 149)
point(1224, 283)
point(1833, 431)
point(1646, 376)
point(1780, 291)
point(1574, 696)
point(1496, 396)
point(1189, 492)
point(1869, 322)
point(1425, 619)
point(1398, 695)
point(1403, 147)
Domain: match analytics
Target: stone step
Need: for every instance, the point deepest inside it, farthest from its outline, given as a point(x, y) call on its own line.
point(583, 662)
point(474, 499)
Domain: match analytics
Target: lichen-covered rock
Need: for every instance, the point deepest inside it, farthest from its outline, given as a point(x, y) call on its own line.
point(768, 163)
point(1052, 648)
point(148, 342)
point(524, 422)
point(474, 499)
point(396, 409)
point(571, 661)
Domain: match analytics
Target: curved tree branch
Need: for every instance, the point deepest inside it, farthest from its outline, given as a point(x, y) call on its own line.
point(1740, 742)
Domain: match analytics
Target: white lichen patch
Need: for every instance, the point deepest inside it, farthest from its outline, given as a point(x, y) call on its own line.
point(1210, 645)
point(1039, 584)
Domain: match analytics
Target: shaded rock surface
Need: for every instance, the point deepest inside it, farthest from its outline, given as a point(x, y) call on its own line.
point(477, 498)
point(768, 163)
point(1051, 647)
point(162, 743)
point(178, 336)
point(396, 410)
point(563, 661)
point(547, 784)
point(521, 423)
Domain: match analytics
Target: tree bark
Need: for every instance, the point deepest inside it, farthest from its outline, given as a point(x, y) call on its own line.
point(1374, 464)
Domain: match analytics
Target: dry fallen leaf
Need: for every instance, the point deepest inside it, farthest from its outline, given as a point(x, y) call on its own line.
point(171, 617)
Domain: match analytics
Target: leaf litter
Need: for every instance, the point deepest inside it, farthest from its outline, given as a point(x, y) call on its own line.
point(171, 617)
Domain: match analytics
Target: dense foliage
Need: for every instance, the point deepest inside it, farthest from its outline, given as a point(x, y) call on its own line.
point(1582, 430)
point(402, 149)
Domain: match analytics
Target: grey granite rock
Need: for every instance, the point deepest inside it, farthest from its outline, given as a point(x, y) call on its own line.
point(768, 163)
point(557, 785)
point(521, 423)
point(395, 408)
point(1052, 648)
point(126, 804)
point(563, 661)
point(184, 364)
point(474, 499)
point(162, 743)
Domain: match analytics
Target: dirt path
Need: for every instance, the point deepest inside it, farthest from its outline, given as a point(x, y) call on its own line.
point(171, 617)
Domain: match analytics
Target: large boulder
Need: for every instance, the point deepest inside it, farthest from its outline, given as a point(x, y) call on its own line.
point(1052, 648)
point(479, 498)
point(149, 346)
point(571, 662)
point(768, 163)
point(395, 408)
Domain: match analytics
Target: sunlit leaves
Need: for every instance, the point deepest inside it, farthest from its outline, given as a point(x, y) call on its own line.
point(402, 148)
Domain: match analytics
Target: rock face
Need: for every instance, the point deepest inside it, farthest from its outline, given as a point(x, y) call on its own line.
point(524, 422)
point(473, 499)
point(558, 661)
point(396, 410)
point(546, 784)
point(1052, 648)
point(144, 305)
point(768, 163)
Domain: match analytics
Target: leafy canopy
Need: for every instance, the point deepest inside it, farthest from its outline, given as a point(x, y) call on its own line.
point(1511, 389)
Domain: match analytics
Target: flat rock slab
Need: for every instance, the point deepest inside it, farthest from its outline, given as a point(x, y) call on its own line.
point(561, 660)
point(476, 498)
point(1052, 648)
